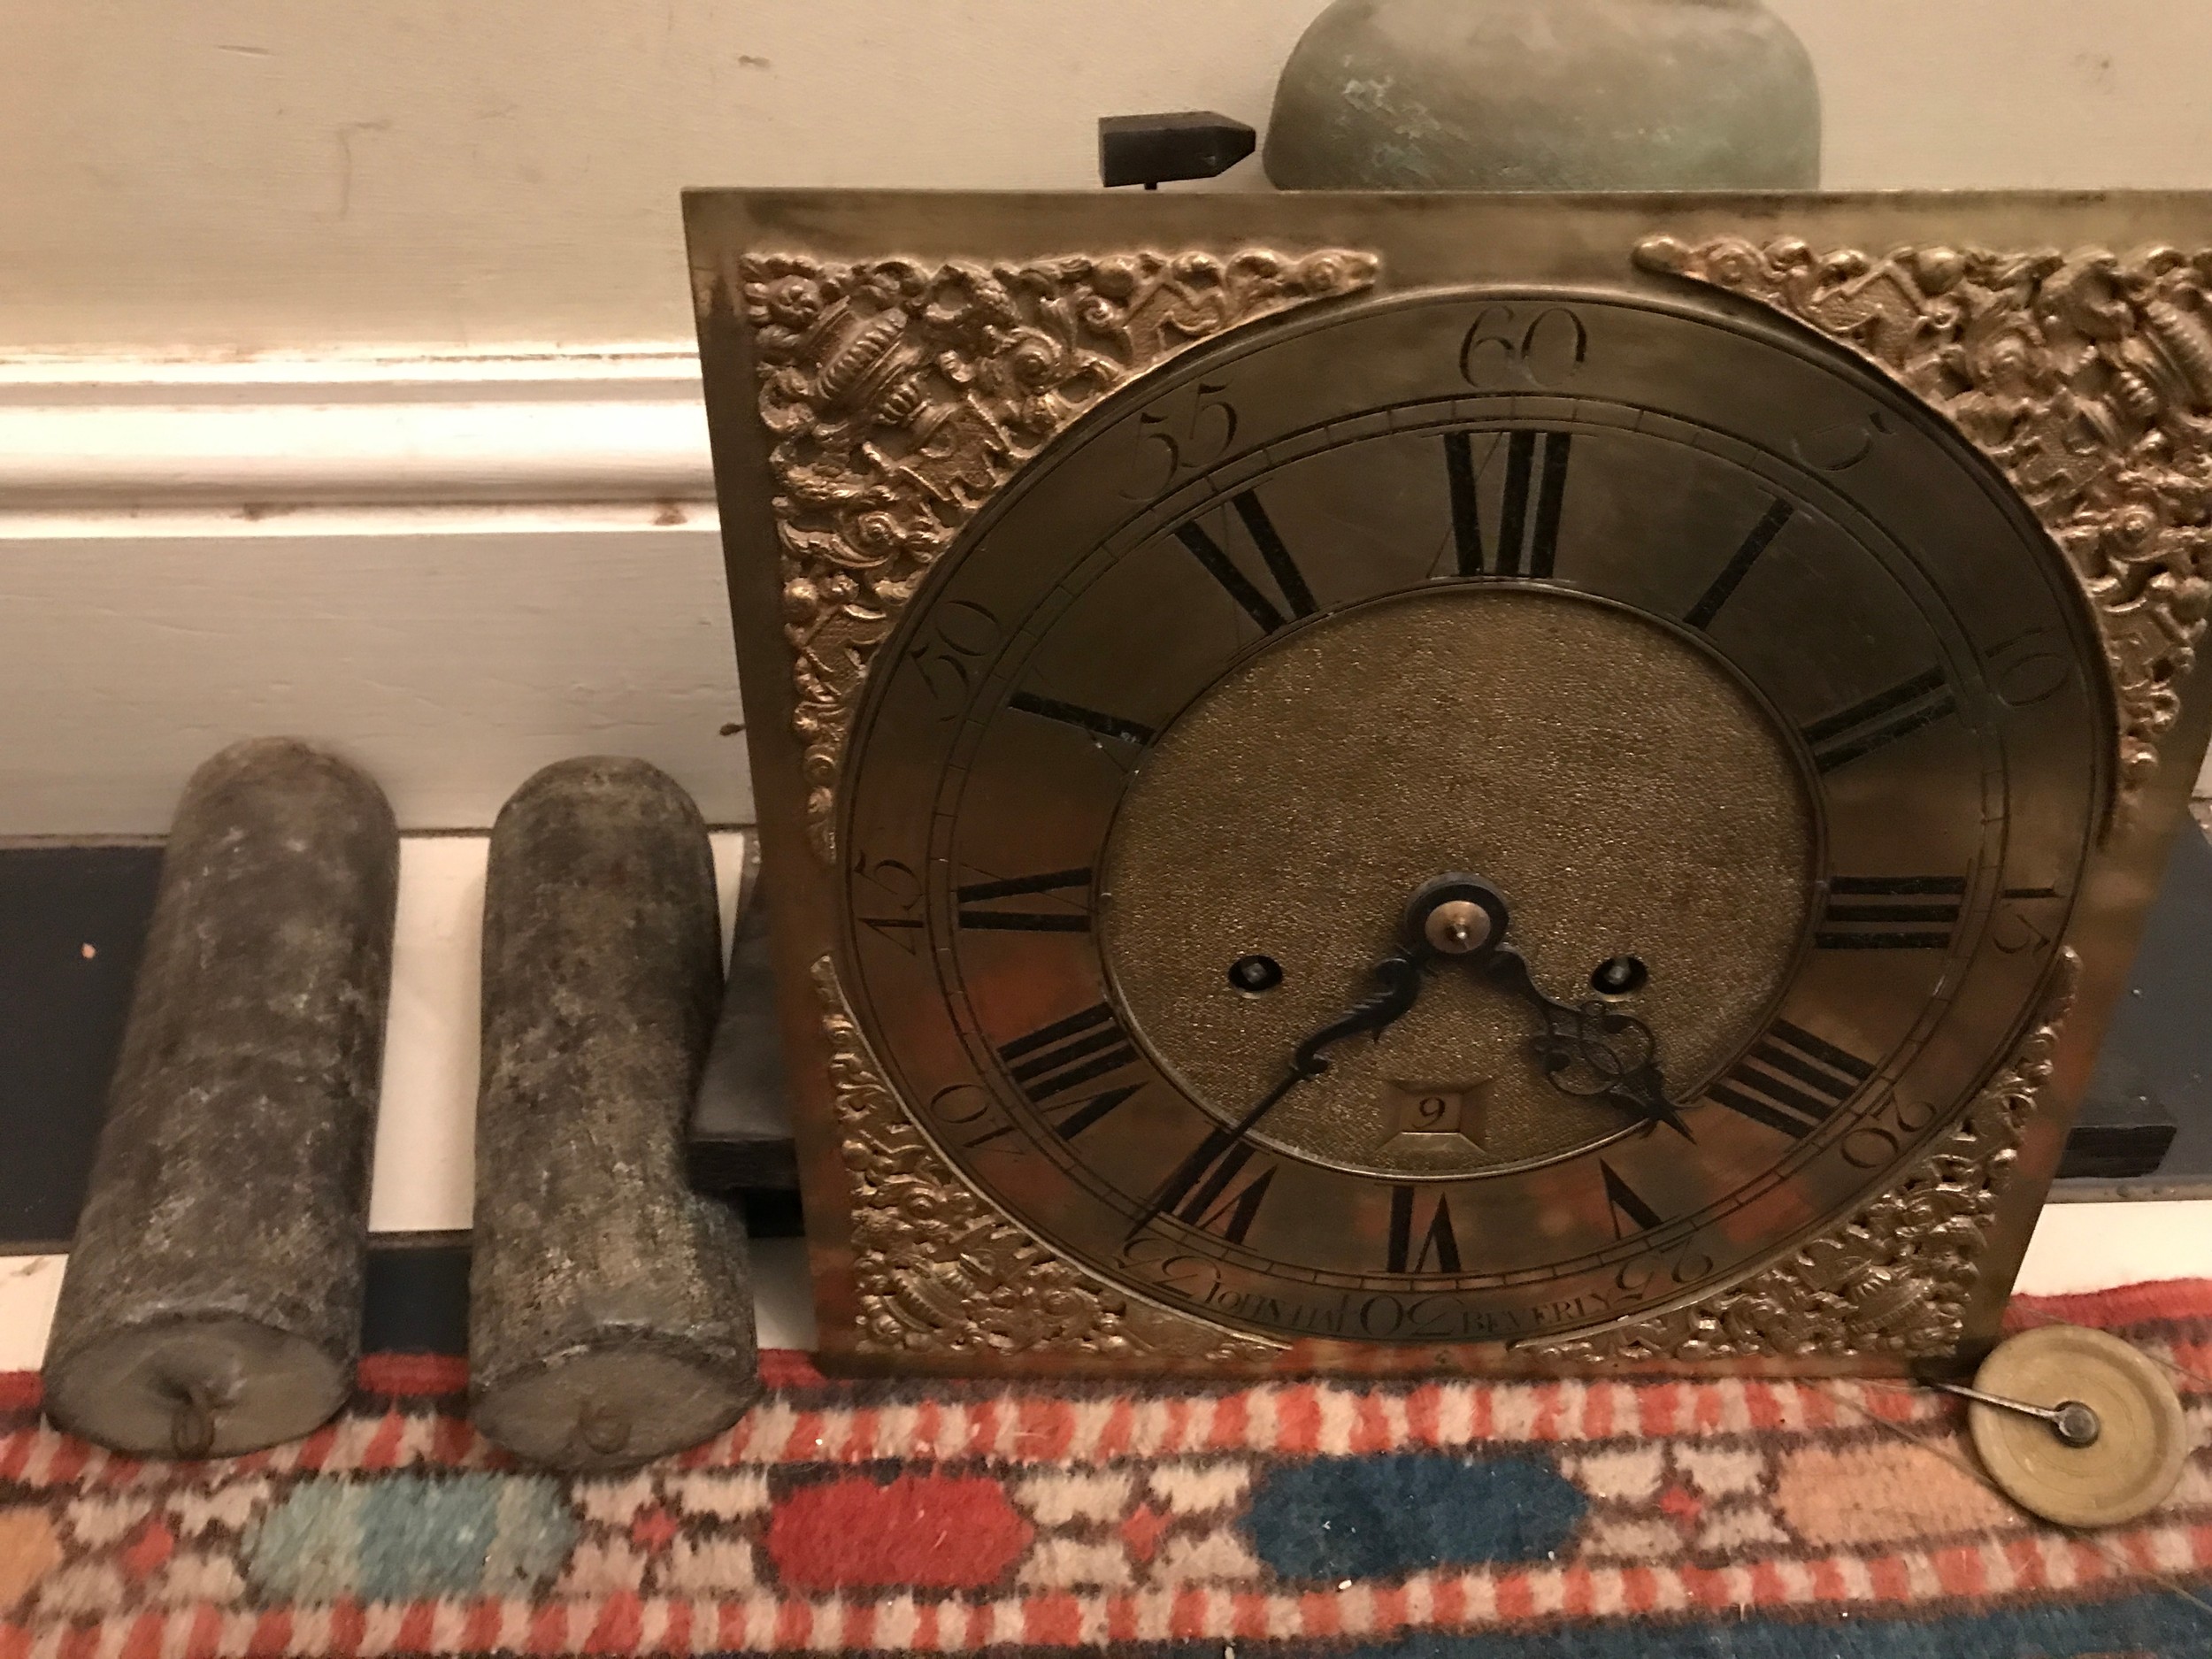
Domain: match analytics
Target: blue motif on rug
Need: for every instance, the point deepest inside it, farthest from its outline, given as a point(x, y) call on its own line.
point(402, 1538)
point(1381, 1518)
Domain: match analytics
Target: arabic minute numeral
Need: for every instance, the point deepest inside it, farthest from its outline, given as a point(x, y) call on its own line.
point(959, 634)
point(1510, 345)
point(2029, 666)
point(1187, 431)
point(902, 890)
point(2022, 924)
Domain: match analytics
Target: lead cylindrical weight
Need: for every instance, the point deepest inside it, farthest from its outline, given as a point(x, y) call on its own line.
point(213, 1300)
point(610, 1308)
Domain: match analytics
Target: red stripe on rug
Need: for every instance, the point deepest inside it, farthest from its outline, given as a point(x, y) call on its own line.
point(1597, 1412)
point(982, 1429)
point(143, 1640)
point(549, 1628)
point(1655, 1407)
point(479, 1631)
point(1640, 1589)
point(69, 1459)
point(412, 1374)
point(1516, 1597)
point(1043, 1429)
point(205, 1638)
point(2121, 1305)
point(1424, 1408)
point(1318, 1612)
point(860, 1624)
point(349, 1626)
point(1121, 1424)
point(1389, 1602)
point(621, 1625)
point(860, 1438)
point(315, 1451)
point(1054, 1619)
point(729, 1626)
point(1232, 1422)
point(1247, 1614)
point(415, 1627)
point(1186, 1616)
point(1958, 1569)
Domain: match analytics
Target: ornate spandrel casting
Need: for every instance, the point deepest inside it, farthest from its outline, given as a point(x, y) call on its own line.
point(1894, 1280)
point(901, 395)
point(939, 1271)
point(2086, 377)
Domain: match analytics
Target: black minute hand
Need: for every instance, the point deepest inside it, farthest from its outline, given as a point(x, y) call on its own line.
point(1400, 978)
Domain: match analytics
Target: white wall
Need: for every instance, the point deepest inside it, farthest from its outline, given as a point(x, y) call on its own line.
point(213, 180)
point(253, 173)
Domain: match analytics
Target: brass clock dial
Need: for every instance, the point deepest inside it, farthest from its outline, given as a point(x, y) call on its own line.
point(1745, 692)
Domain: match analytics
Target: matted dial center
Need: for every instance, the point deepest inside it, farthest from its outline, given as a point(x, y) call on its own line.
point(1617, 783)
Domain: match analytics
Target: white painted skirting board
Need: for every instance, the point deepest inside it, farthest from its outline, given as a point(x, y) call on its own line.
point(280, 432)
point(455, 568)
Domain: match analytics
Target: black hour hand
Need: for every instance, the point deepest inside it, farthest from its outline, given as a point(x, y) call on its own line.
point(1400, 987)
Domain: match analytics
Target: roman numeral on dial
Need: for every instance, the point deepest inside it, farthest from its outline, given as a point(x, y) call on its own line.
point(1890, 912)
point(1528, 519)
point(1217, 563)
point(1054, 1063)
point(1216, 1198)
point(1791, 1081)
point(1881, 719)
point(1068, 1053)
point(1621, 1199)
point(1075, 714)
point(1438, 1243)
point(1739, 566)
point(975, 902)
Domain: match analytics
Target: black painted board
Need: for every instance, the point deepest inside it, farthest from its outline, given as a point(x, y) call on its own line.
point(417, 1299)
point(72, 922)
point(2145, 1128)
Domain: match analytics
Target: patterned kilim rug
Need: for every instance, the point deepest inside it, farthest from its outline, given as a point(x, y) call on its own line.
point(1457, 1519)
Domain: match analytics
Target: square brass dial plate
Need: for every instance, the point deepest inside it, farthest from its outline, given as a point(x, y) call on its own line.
point(1786, 607)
